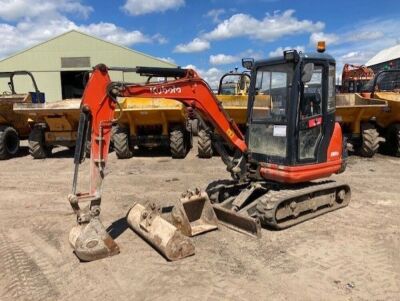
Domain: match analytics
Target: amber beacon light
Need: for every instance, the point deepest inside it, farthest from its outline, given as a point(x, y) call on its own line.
point(321, 46)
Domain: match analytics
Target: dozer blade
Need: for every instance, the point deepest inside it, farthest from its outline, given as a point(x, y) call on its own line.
point(162, 235)
point(91, 241)
point(194, 214)
point(237, 221)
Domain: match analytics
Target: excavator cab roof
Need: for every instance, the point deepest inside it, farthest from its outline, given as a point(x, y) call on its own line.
point(312, 56)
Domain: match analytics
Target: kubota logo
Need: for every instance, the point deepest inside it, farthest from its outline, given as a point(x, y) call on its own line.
point(158, 90)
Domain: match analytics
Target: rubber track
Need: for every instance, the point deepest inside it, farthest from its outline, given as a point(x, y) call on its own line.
point(276, 198)
point(204, 145)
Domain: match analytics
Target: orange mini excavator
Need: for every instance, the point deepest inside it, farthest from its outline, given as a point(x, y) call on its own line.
point(291, 142)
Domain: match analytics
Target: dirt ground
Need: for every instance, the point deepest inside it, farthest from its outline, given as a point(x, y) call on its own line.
point(350, 254)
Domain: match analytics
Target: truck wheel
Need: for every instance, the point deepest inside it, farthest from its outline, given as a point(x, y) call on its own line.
point(393, 140)
point(37, 145)
point(9, 142)
point(370, 140)
point(204, 145)
point(177, 143)
point(120, 138)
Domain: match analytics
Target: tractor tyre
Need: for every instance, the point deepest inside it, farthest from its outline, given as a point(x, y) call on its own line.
point(204, 145)
point(370, 140)
point(393, 140)
point(9, 142)
point(37, 145)
point(178, 143)
point(120, 138)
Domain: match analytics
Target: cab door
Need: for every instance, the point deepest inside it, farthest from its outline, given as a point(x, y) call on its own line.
point(311, 116)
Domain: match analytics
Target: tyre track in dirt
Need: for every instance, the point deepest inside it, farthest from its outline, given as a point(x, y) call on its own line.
point(22, 276)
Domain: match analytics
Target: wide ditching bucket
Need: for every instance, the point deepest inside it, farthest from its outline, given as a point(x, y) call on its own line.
point(162, 235)
point(194, 214)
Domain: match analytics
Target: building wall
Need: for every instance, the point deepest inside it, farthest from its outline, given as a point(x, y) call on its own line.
point(44, 61)
point(393, 64)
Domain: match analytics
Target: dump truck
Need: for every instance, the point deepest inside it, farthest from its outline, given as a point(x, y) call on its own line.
point(386, 86)
point(149, 123)
point(144, 123)
point(357, 116)
point(232, 93)
point(13, 126)
point(277, 169)
point(52, 123)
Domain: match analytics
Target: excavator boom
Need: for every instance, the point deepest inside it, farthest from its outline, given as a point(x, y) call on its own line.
point(97, 117)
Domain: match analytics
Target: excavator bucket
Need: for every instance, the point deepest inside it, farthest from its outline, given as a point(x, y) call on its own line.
point(194, 214)
point(91, 241)
point(162, 235)
point(237, 221)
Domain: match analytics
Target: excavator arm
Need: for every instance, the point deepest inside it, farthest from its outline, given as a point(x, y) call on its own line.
point(96, 119)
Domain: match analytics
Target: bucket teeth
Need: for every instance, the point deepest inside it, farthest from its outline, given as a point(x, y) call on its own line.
point(162, 235)
point(92, 242)
point(194, 214)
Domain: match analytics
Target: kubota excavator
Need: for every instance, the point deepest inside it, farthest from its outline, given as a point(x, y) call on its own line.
point(292, 141)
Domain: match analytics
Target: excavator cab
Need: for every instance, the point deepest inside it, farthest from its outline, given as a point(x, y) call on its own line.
point(291, 114)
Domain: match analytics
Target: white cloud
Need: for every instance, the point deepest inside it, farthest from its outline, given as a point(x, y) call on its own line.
point(270, 28)
point(30, 31)
point(160, 39)
point(22, 9)
point(257, 55)
point(197, 45)
point(360, 42)
point(329, 38)
point(141, 7)
point(115, 34)
point(211, 76)
point(167, 59)
point(279, 51)
point(223, 59)
point(214, 14)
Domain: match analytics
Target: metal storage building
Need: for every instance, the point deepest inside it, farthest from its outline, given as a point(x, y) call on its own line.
point(59, 64)
point(388, 58)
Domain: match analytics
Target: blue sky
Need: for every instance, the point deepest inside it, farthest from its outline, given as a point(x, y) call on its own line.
point(211, 36)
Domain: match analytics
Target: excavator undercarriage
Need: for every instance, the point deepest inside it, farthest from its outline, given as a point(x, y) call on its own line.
point(248, 207)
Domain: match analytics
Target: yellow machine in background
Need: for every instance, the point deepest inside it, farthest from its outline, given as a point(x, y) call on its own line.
point(144, 123)
point(386, 86)
point(371, 119)
point(53, 124)
point(13, 126)
point(232, 93)
point(357, 116)
point(149, 123)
